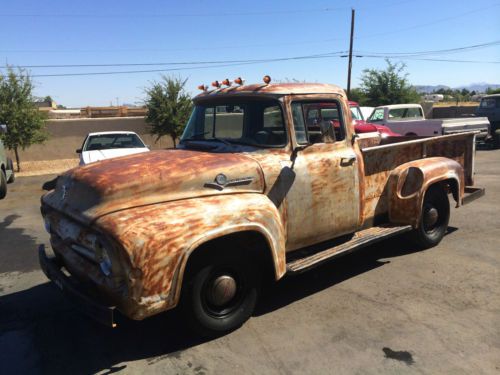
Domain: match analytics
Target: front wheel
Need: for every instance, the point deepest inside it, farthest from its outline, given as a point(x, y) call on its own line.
point(220, 293)
point(434, 218)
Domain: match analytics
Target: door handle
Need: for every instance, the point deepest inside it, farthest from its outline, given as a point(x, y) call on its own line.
point(347, 161)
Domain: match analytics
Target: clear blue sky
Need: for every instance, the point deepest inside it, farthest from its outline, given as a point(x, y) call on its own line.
point(99, 32)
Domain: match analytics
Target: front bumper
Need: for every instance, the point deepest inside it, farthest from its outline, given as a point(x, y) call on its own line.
point(83, 300)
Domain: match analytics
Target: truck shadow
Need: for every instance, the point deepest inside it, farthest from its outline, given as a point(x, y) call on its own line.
point(68, 342)
point(16, 247)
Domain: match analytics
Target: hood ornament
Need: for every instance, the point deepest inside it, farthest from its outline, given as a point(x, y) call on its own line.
point(221, 181)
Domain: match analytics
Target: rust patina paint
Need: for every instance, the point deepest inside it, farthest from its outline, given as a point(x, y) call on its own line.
point(155, 209)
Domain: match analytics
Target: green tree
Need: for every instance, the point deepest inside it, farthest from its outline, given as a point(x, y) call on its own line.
point(357, 95)
point(169, 107)
point(389, 86)
point(25, 123)
point(491, 91)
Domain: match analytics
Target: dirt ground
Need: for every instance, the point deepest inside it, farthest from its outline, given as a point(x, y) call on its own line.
point(387, 309)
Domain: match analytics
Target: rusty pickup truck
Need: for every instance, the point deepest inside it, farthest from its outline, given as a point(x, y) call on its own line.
point(255, 190)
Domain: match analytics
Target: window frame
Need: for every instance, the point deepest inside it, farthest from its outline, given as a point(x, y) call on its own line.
point(241, 100)
point(303, 101)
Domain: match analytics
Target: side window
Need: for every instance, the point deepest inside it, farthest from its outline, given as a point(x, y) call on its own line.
point(318, 122)
point(414, 113)
point(377, 115)
point(397, 113)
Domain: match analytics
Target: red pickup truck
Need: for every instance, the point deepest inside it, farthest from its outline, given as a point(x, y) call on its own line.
point(361, 126)
point(318, 113)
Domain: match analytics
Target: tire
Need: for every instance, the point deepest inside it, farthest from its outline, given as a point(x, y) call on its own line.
point(10, 166)
point(496, 139)
point(209, 308)
point(3, 184)
point(433, 219)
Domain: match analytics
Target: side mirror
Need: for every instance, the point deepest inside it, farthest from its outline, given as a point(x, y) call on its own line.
point(354, 137)
point(3, 129)
point(78, 151)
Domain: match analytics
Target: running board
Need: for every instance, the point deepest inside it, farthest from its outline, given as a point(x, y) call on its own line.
point(359, 240)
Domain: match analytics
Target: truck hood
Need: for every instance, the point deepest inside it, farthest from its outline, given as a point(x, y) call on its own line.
point(361, 126)
point(88, 192)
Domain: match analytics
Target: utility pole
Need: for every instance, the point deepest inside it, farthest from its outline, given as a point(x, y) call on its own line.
point(353, 12)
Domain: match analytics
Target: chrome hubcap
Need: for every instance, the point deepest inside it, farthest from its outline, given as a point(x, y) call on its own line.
point(222, 290)
point(431, 217)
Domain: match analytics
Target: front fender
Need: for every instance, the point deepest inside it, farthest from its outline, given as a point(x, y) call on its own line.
point(409, 182)
point(158, 240)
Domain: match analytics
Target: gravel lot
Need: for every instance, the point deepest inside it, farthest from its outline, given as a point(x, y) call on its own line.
point(386, 309)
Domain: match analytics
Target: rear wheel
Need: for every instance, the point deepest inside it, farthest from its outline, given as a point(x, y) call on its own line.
point(3, 184)
point(434, 217)
point(220, 293)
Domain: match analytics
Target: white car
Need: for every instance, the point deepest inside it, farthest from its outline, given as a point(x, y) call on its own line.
point(106, 145)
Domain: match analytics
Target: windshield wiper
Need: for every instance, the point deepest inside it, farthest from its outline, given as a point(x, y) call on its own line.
point(193, 138)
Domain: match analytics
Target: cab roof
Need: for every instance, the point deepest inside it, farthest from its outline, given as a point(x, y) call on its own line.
point(275, 89)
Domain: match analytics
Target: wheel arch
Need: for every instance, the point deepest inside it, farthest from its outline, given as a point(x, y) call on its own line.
point(410, 181)
point(256, 239)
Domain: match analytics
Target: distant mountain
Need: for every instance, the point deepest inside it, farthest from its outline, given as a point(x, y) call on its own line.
point(426, 89)
point(477, 87)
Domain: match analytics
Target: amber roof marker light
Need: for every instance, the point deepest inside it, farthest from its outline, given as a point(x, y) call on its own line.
point(203, 87)
point(227, 82)
point(216, 84)
point(239, 81)
point(267, 79)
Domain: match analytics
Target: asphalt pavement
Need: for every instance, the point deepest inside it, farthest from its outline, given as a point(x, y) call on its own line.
point(387, 309)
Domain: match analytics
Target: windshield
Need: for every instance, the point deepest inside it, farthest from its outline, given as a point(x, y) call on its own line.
point(377, 115)
point(356, 113)
point(108, 141)
point(249, 122)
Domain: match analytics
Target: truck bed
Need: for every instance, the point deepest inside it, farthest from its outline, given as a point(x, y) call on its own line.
point(382, 155)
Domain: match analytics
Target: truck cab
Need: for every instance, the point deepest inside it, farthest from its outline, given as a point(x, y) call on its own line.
point(258, 188)
point(490, 107)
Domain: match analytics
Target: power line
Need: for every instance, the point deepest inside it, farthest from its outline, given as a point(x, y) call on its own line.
point(249, 63)
point(107, 50)
point(218, 14)
point(441, 20)
point(326, 54)
point(436, 52)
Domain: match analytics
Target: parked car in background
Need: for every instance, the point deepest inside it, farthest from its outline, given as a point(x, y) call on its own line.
point(409, 119)
point(366, 111)
point(318, 113)
point(362, 126)
point(490, 107)
point(106, 145)
point(6, 167)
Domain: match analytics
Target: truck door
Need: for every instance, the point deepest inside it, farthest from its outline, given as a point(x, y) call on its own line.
point(323, 201)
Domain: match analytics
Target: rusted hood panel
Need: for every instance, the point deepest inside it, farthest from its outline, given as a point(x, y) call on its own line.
point(158, 176)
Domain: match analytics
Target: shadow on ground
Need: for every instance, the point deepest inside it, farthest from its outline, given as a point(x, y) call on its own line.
point(17, 249)
point(68, 342)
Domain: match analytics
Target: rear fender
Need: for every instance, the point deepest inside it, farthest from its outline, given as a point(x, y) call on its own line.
point(409, 182)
